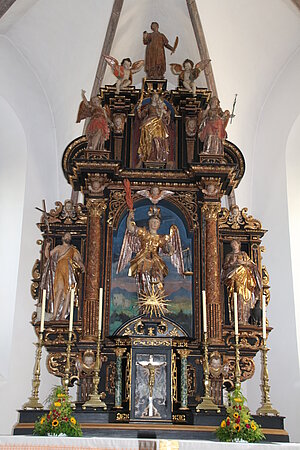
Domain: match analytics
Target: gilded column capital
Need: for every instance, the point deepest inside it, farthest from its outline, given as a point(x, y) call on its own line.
point(211, 210)
point(96, 207)
point(184, 352)
point(119, 351)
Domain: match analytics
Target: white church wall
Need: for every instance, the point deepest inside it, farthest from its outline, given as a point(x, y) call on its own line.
point(270, 205)
point(21, 90)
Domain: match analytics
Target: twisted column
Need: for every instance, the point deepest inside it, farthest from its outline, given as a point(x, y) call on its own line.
point(212, 271)
point(92, 280)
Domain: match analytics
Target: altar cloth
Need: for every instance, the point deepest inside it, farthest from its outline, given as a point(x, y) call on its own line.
point(93, 443)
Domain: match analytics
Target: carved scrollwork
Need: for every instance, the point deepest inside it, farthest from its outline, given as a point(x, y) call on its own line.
point(247, 339)
point(110, 376)
point(36, 278)
point(237, 219)
point(247, 367)
point(116, 201)
point(191, 380)
point(66, 213)
point(188, 201)
point(57, 336)
point(56, 364)
point(265, 282)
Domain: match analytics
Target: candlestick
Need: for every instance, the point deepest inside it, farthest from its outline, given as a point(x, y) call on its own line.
point(204, 312)
point(266, 405)
point(71, 309)
point(43, 311)
point(236, 317)
point(33, 401)
point(100, 310)
point(264, 321)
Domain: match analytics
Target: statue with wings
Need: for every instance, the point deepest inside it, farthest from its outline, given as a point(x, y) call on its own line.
point(155, 194)
point(148, 266)
point(98, 129)
point(187, 73)
point(124, 71)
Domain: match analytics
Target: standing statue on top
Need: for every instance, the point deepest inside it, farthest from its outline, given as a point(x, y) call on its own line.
point(213, 122)
point(97, 131)
point(155, 59)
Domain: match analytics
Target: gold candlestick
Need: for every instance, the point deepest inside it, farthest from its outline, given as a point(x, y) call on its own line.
point(206, 402)
point(266, 405)
point(94, 400)
point(237, 363)
point(66, 378)
point(33, 401)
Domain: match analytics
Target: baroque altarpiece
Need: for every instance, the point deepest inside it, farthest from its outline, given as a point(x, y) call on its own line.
point(148, 239)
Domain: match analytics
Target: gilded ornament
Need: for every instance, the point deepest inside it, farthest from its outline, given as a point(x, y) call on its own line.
point(96, 207)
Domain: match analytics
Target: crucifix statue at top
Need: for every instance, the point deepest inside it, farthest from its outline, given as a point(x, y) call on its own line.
point(155, 58)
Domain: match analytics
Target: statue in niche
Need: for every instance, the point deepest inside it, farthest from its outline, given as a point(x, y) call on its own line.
point(213, 122)
point(155, 194)
point(98, 129)
point(148, 266)
point(240, 274)
point(124, 71)
point(61, 273)
point(188, 74)
point(154, 138)
point(155, 58)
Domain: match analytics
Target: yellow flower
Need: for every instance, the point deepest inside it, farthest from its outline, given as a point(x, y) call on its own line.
point(54, 423)
point(223, 424)
point(61, 395)
point(246, 421)
point(57, 404)
point(237, 426)
point(253, 426)
point(235, 415)
point(237, 399)
point(73, 420)
point(43, 419)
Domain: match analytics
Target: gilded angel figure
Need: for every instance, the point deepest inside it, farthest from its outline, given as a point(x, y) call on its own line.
point(98, 130)
point(187, 73)
point(148, 266)
point(124, 71)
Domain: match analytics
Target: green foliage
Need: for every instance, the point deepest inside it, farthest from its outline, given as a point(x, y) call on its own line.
point(238, 424)
point(60, 418)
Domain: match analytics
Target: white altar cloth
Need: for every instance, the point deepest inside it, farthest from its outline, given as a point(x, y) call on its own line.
point(93, 443)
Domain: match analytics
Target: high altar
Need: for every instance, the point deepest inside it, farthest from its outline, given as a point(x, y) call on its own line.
point(148, 265)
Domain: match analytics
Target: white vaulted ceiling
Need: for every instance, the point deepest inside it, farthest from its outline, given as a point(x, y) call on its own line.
point(49, 51)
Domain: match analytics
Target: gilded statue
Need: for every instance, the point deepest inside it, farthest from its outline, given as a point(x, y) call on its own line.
point(154, 138)
point(212, 130)
point(124, 71)
point(61, 273)
point(188, 74)
point(155, 58)
point(148, 266)
point(240, 274)
point(98, 129)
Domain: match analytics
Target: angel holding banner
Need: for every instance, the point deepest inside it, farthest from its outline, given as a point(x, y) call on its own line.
point(148, 266)
point(97, 131)
point(124, 71)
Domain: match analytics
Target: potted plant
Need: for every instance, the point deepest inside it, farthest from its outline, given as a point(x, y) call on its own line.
point(238, 426)
point(59, 421)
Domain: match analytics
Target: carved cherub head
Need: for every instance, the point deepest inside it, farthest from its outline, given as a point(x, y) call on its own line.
point(126, 63)
point(187, 64)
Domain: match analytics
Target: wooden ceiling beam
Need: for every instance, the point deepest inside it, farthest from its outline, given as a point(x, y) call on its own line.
point(5, 5)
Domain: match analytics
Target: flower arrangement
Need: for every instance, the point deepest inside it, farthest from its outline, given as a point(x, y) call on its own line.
point(238, 425)
point(59, 419)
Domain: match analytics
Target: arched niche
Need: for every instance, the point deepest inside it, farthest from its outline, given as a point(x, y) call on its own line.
point(178, 289)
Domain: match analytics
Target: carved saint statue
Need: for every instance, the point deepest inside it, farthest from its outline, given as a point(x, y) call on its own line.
point(155, 59)
point(213, 122)
point(240, 275)
point(187, 73)
point(124, 71)
point(148, 266)
point(97, 131)
point(154, 138)
point(61, 273)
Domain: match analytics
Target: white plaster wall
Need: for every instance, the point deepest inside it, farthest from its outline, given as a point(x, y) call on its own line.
point(270, 204)
point(27, 108)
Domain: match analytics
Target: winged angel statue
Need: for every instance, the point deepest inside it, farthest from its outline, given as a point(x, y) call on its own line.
point(187, 73)
point(124, 71)
point(148, 266)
